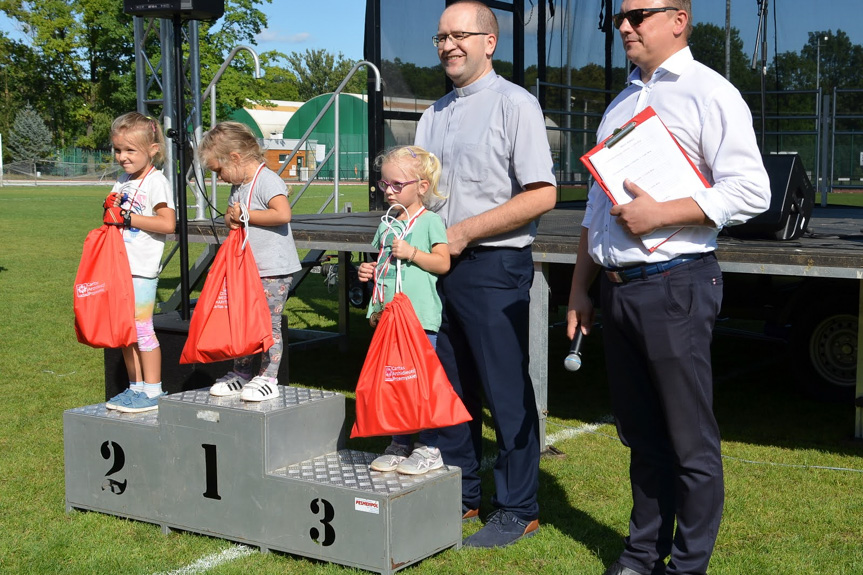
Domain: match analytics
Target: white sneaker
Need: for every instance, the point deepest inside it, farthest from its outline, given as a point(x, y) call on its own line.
point(229, 384)
point(394, 454)
point(422, 460)
point(260, 388)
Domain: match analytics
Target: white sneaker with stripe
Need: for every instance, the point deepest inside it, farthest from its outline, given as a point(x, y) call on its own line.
point(260, 388)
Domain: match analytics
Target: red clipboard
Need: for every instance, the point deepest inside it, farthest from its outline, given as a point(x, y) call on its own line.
point(663, 142)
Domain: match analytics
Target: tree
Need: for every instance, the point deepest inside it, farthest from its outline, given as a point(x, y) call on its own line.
point(29, 139)
point(319, 72)
point(707, 43)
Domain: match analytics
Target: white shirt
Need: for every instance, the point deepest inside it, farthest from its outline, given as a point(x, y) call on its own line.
point(144, 249)
point(713, 125)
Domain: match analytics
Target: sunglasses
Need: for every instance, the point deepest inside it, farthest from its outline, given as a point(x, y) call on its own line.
point(396, 187)
point(637, 16)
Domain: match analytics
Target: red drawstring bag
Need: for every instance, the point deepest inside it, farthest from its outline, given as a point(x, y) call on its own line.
point(104, 296)
point(403, 387)
point(231, 318)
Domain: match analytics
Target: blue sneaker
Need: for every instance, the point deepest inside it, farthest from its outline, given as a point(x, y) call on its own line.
point(122, 398)
point(140, 402)
point(502, 529)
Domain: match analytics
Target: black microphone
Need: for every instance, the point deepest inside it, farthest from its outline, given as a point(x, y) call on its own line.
point(573, 360)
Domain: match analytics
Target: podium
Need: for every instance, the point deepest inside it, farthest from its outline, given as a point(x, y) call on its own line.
point(274, 475)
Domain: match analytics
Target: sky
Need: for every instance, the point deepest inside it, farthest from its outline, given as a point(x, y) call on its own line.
point(337, 25)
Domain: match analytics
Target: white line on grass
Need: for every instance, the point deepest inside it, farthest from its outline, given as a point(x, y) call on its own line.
point(208, 562)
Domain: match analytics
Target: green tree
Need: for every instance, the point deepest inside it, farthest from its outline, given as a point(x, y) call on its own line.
point(707, 43)
point(319, 72)
point(30, 138)
point(17, 68)
point(83, 48)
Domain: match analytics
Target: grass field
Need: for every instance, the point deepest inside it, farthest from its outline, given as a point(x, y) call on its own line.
point(794, 474)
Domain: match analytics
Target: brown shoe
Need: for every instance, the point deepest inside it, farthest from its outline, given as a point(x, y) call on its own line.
point(470, 515)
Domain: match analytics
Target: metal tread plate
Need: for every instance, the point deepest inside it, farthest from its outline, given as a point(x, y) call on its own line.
point(99, 410)
point(289, 396)
point(350, 469)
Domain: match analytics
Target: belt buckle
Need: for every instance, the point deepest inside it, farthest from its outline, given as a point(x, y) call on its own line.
point(615, 276)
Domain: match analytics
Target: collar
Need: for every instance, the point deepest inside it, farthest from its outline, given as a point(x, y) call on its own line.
point(477, 86)
point(675, 64)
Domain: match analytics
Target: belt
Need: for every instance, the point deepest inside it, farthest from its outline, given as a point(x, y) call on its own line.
point(641, 271)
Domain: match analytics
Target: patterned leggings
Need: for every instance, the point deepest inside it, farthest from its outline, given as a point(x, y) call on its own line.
point(276, 290)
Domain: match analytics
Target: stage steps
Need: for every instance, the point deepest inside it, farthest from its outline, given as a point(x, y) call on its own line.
point(274, 475)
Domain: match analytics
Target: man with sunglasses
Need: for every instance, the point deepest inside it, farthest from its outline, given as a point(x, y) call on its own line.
point(498, 179)
point(659, 307)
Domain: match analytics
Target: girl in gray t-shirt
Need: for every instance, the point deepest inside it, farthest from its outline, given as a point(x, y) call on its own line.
point(258, 202)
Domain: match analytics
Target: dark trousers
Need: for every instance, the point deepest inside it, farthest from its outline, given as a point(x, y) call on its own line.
point(483, 346)
point(657, 333)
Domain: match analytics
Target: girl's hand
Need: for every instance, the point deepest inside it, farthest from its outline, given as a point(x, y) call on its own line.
point(366, 271)
point(232, 217)
point(401, 249)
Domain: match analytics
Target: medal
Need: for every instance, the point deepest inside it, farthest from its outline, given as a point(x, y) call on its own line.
point(374, 318)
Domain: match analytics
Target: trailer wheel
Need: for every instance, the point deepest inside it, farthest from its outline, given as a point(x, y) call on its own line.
point(824, 342)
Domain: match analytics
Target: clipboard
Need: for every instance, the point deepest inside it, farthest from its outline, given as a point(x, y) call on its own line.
point(644, 151)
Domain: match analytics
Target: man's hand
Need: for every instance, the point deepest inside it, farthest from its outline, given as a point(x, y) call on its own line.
point(456, 240)
point(640, 216)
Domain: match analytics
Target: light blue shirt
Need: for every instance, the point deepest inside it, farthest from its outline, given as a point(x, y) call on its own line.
point(713, 125)
point(490, 138)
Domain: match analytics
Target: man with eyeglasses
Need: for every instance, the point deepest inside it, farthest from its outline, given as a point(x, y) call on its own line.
point(659, 307)
point(498, 179)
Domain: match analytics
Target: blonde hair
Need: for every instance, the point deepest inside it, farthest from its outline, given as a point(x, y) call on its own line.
point(143, 131)
point(226, 138)
point(417, 161)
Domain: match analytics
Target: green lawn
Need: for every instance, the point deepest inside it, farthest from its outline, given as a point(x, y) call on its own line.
point(794, 474)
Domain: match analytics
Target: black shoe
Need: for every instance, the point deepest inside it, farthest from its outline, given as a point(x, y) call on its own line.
point(617, 569)
point(502, 529)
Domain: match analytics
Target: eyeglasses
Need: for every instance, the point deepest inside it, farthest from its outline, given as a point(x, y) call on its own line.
point(396, 187)
point(455, 37)
point(637, 16)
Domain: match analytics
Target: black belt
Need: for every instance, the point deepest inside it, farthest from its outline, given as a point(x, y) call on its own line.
point(641, 271)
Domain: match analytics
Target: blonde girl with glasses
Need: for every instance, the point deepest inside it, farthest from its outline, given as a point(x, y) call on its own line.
point(417, 237)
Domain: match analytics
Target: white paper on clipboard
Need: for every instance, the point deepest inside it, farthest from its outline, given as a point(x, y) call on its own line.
point(646, 153)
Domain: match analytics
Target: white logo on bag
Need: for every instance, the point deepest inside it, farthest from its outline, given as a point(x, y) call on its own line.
point(399, 373)
point(222, 300)
point(88, 289)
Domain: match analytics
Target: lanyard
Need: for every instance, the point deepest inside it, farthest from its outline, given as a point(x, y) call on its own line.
point(138, 187)
point(383, 262)
point(244, 210)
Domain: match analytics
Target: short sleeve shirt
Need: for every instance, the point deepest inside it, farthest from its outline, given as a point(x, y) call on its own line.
point(144, 249)
point(418, 284)
point(273, 246)
point(491, 140)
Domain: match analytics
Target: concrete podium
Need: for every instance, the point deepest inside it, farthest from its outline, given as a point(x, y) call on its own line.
point(274, 475)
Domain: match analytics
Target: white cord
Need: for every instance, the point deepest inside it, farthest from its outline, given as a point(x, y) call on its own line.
point(244, 219)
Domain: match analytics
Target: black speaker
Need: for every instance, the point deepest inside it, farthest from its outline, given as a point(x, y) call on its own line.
point(791, 200)
point(187, 9)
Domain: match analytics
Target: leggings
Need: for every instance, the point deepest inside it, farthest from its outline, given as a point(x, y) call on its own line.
point(276, 291)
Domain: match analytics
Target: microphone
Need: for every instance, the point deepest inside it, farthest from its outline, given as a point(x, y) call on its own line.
point(572, 362)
